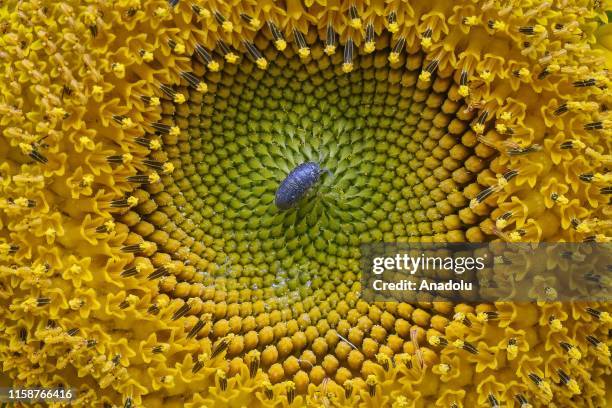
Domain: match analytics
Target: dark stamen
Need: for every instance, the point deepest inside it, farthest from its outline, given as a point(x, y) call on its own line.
point(299, 38)
point(484, 194)
point(348, 51)
point(129, 272)
point(399, 45)
point(154, 164)
point(370, 33)
point(202, 53)
point(191, 79)
point(73, 332)
point(161, 128)
point(536, 380)
point(276, 33)
point(43, 301)
point(158, 273)
point(561, 109)
point(253, 51)
point(182, 311)
point(195, 329)
point(585, 83)
point(220, 347)
point(509, 175)
point(169, 92)
point(593, 126)
point(493, 401)
point(463, 80)
point(219, 17)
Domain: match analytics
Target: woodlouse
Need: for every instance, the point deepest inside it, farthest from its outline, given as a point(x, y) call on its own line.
point(297, 183)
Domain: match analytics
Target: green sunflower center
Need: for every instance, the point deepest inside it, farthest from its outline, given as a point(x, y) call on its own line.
point(395, 170)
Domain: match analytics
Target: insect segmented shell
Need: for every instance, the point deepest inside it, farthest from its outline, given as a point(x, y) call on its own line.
point(295, 186)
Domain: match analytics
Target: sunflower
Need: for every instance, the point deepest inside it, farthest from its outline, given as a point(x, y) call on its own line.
point(143, 262)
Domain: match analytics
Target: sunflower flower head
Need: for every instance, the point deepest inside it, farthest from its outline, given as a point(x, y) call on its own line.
point(143, 260)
